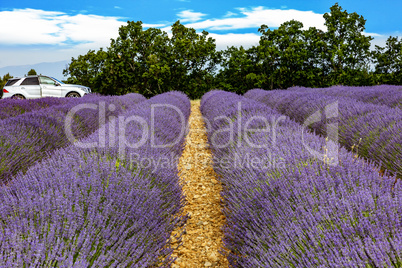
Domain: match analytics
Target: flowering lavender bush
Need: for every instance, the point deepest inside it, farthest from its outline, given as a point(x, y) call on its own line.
point(31, 136)
point(97, 206)
point(301, 210)
point(371, 131)
point(13, 107)
point(382, 94)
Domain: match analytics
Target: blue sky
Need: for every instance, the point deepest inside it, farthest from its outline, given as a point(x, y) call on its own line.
point(49, 31)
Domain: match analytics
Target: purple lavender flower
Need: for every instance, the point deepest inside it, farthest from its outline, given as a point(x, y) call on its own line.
point(372, 131)
point(303, 212)
point(30, 137)
point(95, 207)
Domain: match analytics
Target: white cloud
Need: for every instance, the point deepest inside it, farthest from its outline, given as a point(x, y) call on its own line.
point(230, 14)
point(223, 41)
point(93, 29)
point(255, 17)
point(381, 40)
point(190, 16)
point(372, 34)
point(31, 36)
point(30, 27)
point(38, 27)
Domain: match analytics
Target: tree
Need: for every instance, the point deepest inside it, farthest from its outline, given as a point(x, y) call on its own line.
point(240, 70)
point(285, 57)
point(314, 67)
point(134, 62)
point(193, 60)
point(388, 61)
point(137, 58)
point(283, 52)
point(348, 49)
point(147, 61)
point(290, 56)
point(3, 81)
point(32, 72)
point(87, 69)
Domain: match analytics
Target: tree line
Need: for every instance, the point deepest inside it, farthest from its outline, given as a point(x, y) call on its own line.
point(149, 61)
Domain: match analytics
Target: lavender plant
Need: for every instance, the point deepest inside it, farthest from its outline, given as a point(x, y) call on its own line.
point(382, 94)
point(14, 107)
point(29, 137)
point(375, 129)
point(287, 207)
point(100, 206)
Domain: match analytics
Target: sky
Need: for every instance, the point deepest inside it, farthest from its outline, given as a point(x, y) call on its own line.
point(38, 31)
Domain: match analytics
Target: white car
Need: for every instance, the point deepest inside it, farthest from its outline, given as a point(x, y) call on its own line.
point(37, 86)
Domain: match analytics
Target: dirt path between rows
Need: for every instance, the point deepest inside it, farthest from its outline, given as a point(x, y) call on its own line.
point(202, 239)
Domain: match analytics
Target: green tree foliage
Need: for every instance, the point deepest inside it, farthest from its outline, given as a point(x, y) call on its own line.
point(136, 60)
point(87, 69)
point(348, 49)
point(193, 60)
point(388, 61)
point(240, 70)
point(285, 57)
point(32, 72)
point(283, 53)
point(315, 67)
point(3, 81)
point(293, 56)
point(149, 61)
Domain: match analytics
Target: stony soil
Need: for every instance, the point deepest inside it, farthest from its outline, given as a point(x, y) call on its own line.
point(202, 240)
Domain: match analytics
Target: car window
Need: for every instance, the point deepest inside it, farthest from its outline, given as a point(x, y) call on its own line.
point(58, 81)
point(11, 82)
point(30, 81)
point(46, 80)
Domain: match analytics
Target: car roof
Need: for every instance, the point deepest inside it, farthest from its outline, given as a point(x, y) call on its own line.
point(20, 77)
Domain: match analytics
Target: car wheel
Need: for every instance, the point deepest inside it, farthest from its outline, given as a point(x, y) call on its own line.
point(18, 97)
point(73, 95)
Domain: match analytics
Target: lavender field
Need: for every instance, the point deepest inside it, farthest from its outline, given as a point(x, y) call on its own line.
point(369, 118)
point(288, 207)
point(310, 178)
point(88, 203)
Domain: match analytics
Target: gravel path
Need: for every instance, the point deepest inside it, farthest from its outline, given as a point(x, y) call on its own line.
point(202, 239)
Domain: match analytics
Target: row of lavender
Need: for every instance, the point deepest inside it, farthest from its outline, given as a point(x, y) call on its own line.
point(109, 200)
point(286, 207)
point(382, 94)
point(31, 136)
point(14, 107)
point(371, 131)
